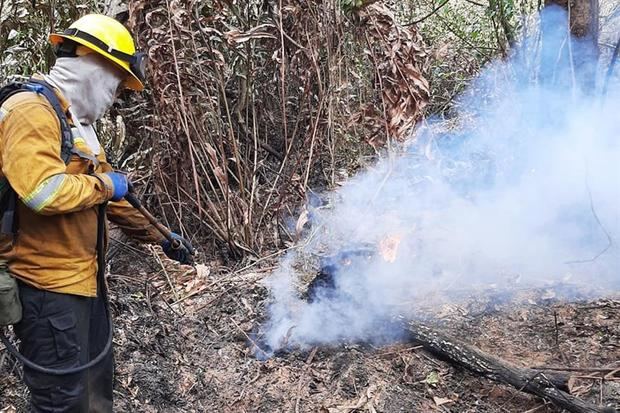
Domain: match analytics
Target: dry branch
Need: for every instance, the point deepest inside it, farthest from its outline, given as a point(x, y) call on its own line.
point(546, 385)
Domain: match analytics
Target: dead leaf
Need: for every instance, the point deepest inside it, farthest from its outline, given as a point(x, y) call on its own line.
point(439, 401)
point(301, 222)
point(236, 36)
point(202, 271)
point(571, 384)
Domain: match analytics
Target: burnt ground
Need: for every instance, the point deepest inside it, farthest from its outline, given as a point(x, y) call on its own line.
point(194, 356)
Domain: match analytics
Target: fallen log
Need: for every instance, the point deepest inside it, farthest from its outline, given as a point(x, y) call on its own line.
point(546, 385)
point(549, 385)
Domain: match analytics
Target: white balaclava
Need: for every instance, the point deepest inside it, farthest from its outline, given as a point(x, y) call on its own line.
point(89, 83)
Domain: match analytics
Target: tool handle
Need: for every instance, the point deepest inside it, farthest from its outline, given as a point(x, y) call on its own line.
point(135, 202)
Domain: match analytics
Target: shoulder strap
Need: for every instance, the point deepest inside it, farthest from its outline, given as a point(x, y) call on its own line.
point(8, 197)
point(43, 88)
point(9, 90)
point(7, 194)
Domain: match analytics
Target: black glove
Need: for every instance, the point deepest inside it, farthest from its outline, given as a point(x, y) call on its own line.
point(183, 253)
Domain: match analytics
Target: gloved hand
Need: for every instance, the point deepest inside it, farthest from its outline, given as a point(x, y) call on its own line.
point(120, 185)
point(183, 254)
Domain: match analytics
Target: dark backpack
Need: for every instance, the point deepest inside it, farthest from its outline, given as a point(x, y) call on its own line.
point(8, 197)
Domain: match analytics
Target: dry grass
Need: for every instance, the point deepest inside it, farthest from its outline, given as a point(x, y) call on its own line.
point(253, 103)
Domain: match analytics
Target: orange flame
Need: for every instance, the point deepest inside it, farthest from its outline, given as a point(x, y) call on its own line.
point(388, 247)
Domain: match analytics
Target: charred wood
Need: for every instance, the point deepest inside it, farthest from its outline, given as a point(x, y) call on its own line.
point(550, 386)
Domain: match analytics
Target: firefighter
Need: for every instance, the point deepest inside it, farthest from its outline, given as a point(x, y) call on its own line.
point(52, 252)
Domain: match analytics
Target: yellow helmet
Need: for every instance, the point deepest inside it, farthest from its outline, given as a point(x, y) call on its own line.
point(109, 38)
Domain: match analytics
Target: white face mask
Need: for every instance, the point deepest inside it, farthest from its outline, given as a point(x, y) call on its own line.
point(88, 82)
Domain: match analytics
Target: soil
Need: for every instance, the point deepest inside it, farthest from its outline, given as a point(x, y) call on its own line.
point(196, 355)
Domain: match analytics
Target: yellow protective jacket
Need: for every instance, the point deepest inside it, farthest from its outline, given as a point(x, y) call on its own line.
point(55, 245)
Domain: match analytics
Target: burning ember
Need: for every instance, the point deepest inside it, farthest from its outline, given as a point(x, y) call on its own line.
point(388, 247)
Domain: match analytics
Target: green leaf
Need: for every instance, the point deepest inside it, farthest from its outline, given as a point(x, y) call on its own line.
point(432, 379)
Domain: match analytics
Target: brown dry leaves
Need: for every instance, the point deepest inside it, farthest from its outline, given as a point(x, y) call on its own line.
point(262, 31)
point(250, 105)
point(366, 403)
point(400, 59)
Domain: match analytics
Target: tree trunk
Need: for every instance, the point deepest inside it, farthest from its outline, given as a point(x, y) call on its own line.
point(577, 58)
point(583, 16)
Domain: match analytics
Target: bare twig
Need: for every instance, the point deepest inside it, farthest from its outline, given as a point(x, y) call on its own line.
point(602, 227)
point(253, 342)
point(168, 279)
point(302, 378)
point(431, 13)
point(610, 69)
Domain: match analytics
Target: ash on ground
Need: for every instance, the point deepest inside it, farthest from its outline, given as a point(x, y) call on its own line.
point(194, 356)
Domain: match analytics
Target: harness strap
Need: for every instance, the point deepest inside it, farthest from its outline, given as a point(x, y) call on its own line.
point(85, 155)
point(7, 227)
point(43, 88)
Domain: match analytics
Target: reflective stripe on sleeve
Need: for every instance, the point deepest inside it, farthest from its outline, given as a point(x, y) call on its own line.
point(45, 193)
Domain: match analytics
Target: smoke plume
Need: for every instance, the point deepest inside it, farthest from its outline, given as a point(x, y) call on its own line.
point(522, 188)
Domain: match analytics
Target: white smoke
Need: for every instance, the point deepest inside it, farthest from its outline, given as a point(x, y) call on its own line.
point(526, 189)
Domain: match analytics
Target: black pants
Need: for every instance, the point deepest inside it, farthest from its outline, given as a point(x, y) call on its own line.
point(65, 331)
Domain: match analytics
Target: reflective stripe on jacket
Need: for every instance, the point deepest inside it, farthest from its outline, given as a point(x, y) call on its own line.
point(55, 247)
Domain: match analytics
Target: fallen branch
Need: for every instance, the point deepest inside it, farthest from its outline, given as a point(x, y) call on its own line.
point(547, 385)
point(578, 369)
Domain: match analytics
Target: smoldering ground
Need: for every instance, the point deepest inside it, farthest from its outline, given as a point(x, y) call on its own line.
point(521, 188)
